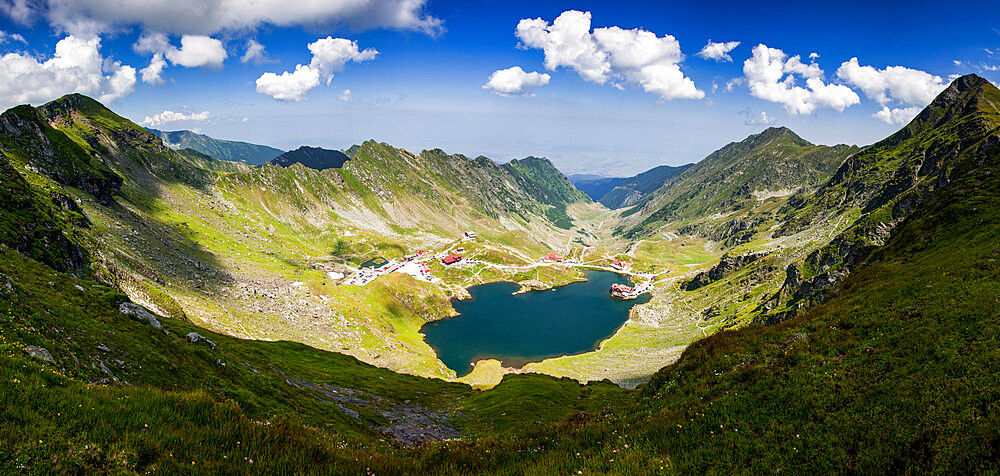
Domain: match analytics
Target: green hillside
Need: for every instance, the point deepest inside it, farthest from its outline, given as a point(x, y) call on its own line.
point(542, 181)
point(774, 163)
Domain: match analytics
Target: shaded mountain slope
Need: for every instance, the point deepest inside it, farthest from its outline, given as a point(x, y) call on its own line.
point(631, 190)
point(313, 157)
point(544, 183)
point(233, 151)
point(595, 186)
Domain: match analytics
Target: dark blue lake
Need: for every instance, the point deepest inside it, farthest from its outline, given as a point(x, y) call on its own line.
point(529, 327)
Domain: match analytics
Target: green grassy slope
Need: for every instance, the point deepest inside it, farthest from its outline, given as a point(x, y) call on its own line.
point(125, 396)
point(775, 162)
point(896, 373)
point(541, 180)
point(885, 183)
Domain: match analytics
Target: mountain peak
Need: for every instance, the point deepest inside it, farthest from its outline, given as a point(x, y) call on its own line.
point(77, 102)
point(967, 96)
point(773, 133)
point(961, 88)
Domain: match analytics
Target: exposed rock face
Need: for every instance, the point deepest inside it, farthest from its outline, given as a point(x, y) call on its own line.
point(409, 425)
point(52, 152)
point(37, 226)
point(139, 313)
point(727, 266)
point(532, 285)
point(194, 338)
point(39, 353)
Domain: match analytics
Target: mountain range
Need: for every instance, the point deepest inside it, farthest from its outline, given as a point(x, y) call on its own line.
point(819, 308)
point(621, 192)
point(235, 151)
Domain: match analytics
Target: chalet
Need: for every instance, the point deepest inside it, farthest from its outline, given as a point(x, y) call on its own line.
point(451, 259)
point(619, 265)
point(622, 291)
point(552, 257)
point(470, 235)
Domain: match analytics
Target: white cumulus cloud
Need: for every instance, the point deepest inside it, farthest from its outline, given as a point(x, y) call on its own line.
point(514, 81)
point(329, 56)
point(171, 116)
point(207, 17)
point(76, 67)
point(255, 53)
point(718, 51)
point(771, 76)
point(610, 55)
point(289, 86)
point(196, 51)
point(346, 96)
point(893, 84)
point(152, 74)
point(897, 115)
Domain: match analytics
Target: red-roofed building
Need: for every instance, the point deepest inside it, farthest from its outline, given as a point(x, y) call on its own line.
point(619, 265)
point(552, 257)
point(451, 259)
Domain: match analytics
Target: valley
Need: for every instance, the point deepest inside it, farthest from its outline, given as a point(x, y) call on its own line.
point(175, 279)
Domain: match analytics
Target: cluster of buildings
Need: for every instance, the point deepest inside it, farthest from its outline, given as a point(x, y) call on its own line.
point(621, 291)
point(415, 265)
point(553, 258)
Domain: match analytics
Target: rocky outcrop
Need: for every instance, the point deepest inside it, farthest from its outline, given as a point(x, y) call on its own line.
point(726, 267)
point(38, 225)
point(532, 285)
point(27, 136)
point(39, 353)
point(194, 338)
point(139, 313)
point(887, 182)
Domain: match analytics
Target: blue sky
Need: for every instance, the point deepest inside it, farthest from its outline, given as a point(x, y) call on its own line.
point(623, 107)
